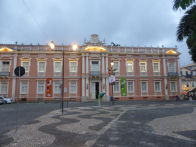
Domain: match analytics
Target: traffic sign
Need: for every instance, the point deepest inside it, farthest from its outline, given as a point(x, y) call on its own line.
point(19, 71)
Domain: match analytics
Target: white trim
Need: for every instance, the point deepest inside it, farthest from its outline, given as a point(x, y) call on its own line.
point(131, 92)
point(60, 84)
point(175, 86)
point(159, 86)
point(76, 66)
point(83, 86)
point(107, 65)
point(158, 66)
point(146, 86)
point(26, 92)
point(118, 87)
point(22, 64)
point(146, 70)
point(59, 61)
point(43, 85)
point(127, 61)
point(76, 90)
point(38, 63)
point(103, 71)
point(83, 64)
point(98, 65)
point(7, 82)
point(87, 64)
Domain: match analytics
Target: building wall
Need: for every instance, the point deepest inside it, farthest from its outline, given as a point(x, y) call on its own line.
point(85, 81)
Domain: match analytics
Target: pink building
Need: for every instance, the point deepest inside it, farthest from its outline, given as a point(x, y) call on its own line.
point(140, 72)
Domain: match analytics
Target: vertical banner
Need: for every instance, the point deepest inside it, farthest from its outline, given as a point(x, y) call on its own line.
point(123, 87)
point(49, 87)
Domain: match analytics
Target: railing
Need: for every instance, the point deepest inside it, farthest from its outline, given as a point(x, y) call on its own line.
point(4, 73)
point(173, 74)
point(95, 73)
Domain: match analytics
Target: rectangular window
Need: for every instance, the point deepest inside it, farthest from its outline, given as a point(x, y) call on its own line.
point(157, 86)
point(4, 87)
point(116, 87)
point(156, 66)
point(5, 66)
point(56, 87)
point(57, 66)
point(173, 87)
point(171, 67)
point(42, 66)
point(73, 87)
point(129, 66)
point(24, 87)
point(95, 66)
point(144, 87)
point(116, 66)
point(130, 87)
point(73, 66)
point(143, 66)
point(40, 87)
point(26, 64)
point(193, 84)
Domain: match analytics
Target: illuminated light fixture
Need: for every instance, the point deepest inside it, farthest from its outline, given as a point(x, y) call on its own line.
point(112, 64)
point(5, 49)
point(52, 45)
point(74, 46)
point(171, 52)
point(95, 49)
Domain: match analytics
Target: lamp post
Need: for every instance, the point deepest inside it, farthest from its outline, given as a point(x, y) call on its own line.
point(112, 82)
point(74, 47)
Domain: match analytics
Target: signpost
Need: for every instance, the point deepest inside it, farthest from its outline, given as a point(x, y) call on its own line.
point(123, 87)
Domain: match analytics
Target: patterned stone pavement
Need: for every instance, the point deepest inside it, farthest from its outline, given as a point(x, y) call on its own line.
point(119, 125)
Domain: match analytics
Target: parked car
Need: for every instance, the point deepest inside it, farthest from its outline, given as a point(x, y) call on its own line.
point(6, 100)
point(2, 100)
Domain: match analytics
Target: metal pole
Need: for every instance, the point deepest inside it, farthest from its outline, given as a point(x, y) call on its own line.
point(62, 88)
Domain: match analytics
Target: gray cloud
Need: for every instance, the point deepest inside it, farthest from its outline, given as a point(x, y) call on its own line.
point(127, 22)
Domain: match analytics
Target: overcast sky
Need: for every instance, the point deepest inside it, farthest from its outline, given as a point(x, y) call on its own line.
point(126, 22)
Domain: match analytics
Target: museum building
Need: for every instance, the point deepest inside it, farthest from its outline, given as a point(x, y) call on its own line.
point(150, 73)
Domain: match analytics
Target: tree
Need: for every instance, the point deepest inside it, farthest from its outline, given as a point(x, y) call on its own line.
point(187, 26)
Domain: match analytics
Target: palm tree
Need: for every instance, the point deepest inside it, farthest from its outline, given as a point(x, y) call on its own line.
point(187, 27)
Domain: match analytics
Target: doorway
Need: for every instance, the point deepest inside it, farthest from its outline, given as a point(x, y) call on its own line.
point(96, 90)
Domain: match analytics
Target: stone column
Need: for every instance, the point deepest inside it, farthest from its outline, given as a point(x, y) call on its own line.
point(14, 79)
point(165, 79)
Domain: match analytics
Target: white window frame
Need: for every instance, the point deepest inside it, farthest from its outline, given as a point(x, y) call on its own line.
point(38, 87)
point(55, 91)
point(27, 70)
point(92, 65)
point(70, 87)
point(40, 71)
point(118, 68)
point(3, 68)
point(132, 65)
point(173, 69)
point(21, 87)
point(142, 91)
point(155, 86)
point(115, 85)
point(70, 67)
point(133, 90)
point(55, 70)
point(144, 66)
point(1, 88)
point(171, 89)
point(154, 62)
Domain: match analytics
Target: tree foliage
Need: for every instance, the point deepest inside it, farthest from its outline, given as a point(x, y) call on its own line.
point(187, 27)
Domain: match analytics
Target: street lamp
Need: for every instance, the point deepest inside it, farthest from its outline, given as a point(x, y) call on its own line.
point(112, 80)
point(74, 47)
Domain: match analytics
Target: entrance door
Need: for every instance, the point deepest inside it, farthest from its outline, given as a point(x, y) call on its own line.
point(96, 90)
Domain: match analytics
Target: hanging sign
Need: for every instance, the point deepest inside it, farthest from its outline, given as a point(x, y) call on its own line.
point(49, 87)
point(112, 79)
point(123, 87)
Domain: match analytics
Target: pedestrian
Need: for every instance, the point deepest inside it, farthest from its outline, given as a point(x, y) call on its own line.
point(190, 98)
point(112, 99)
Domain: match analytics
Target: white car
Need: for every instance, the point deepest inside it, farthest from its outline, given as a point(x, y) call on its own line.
point(7, 100)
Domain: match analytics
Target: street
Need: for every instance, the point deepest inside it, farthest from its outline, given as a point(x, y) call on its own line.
point(130, 123)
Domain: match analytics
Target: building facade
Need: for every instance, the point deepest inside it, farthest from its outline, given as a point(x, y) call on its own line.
point(188, 76)
point(140, 72)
